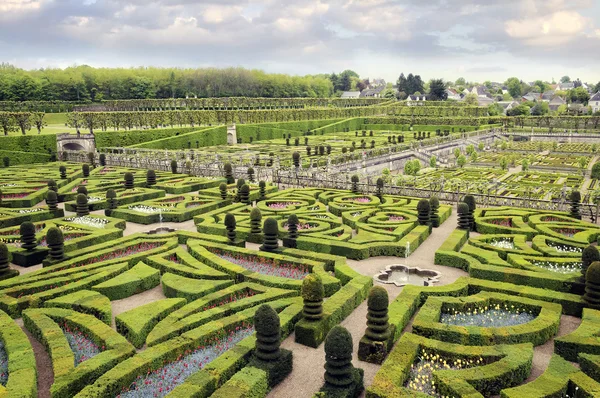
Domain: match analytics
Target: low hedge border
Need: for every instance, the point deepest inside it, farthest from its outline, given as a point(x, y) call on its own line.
point(135, 324)
point(222, 303)
point(188, 184)
point(70, 379)
point(583, 340)
point(176, 286)
point(538, 331)
point(510, 365)
point(137, 279)
point(186, 265)
point(249, 382)
point(12, 217)
point(22, 371)
point(85, 301)
point(205, 381)
point(123, 197)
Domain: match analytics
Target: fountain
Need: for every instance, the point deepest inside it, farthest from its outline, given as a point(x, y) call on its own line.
point(160, 229)
point(402, 274)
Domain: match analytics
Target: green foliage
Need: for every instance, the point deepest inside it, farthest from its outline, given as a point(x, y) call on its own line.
point(296, 159)
point(464, 218)
point(244, 193)
point(589, 255)
point(262, 191)
point(312, 293)
point(354, 179)
point(63, 172)
point(55, 240)
point(575, 201)
point(51, 200)
point(255, 220)
point(424, 212)
point(223, 190)
point(150, 178)
point(128, 177)
point(82, 205)
point(434, 204)
point(596, 170)
point(85, 168)
point(28, 240)
point(133, 281)
point(270, 232)
point(82, 189)
point(230, 224)
point(174, 166)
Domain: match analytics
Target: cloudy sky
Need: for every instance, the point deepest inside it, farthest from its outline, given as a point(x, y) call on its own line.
point(477, 39)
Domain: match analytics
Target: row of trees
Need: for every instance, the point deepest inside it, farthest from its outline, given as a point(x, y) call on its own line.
point(23, 121)
point(83, 83)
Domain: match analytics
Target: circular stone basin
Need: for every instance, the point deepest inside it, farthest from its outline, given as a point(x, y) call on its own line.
point(402, 275)
point(161, 230)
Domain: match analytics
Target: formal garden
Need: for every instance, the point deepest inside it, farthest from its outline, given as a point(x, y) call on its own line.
point(330, 250)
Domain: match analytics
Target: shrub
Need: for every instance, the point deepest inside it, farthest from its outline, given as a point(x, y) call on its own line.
point(588, 256)
point(575, 201)
point(230, 224)
point(268, 333)
point(434, 203)
point(244, 193)
point(6, 161)
point(28, 241)
point(262, 190)
point(52, 185)
point(592, 285)
point(596, 170)
point(296, 159)
point(223, 190)
point(270, 233)
point(354, 180)
point(85, 168)
point(380, 184)
point(292, 223)
point(4, 259)
point(56, 243)
point(464, 220)
point(228, 170)
point(111, 199)
point(51, 200)
point(250, 174)
point(312, 294)
point(470, 201)
point(150, 178)
point(377, 319)
point(102, 159)
point(128, 180)
point(63, 172)
point(174, 166)
point(423, 212)
point(82, 189)
point(82, 207)
point(339, 372)
point(239, 183)
point(255, 220)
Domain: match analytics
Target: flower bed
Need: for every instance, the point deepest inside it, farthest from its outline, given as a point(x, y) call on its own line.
point(560, 268)
point(496, 316)
point(281, 205)
point(160, 382)
point(88, 221)
point(147, 209)
point(266, 266)
point(505, 243)
point(127, 251)
point(232, 298)
point(3, 365)
point(562, 248)
point(83, 348)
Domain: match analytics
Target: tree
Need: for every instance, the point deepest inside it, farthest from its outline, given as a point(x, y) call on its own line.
point(565, 79)
point(437, 90)
point(504, 163)
point(514, 87)
point(525, 164)
point(521, 110)
point(461, 161)
point(37, 118)
point(433, 162)
point(495, 109)
point(540, 109)
point(471, 100)
point(373, 347)
point(579, 95)
point(411, 84)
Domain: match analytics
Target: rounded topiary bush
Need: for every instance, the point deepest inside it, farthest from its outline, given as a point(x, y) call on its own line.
point(52, 200)
point(354, 179)
point(4, 258)
point(250, 174)
point(82, 189)
point(55, 241)
point(102, 159)
point(575, 201)
point(244, 193)
point(262, 191)
point(312, 293)
point(223, 190)
point(63, 172)
point(268, 333)
point(228, 173)
point(470, 201)
point(380, 184)
point(378, 328)
point(434, 204)
point(52, 186)
point(128, 177)
point(239, 183)
point(28, 240)
point(255, 219)
point(270, 232)
point(85, 168)
point(424, 212)
point(464, 221)
point(588, 256)
point(296, 159)
point(292, 223)
point(82, 207)
point(338, 357)
point(592, 285)
point(596, 170)
point(111, 199)
point(230, 225)
point(174, 166)
point(150, 178)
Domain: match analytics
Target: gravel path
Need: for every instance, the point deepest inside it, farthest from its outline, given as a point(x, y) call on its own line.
point(45, 374)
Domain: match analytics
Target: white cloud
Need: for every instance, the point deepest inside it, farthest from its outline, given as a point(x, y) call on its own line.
point(19, 5)
point(549, 31)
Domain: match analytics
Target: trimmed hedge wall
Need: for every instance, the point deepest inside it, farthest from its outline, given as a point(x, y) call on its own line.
point(125, 138)
point(583, 340)
point(205, 137)
point(133, 281)
point(191, 289)
point(85, 301)
point(18, 157)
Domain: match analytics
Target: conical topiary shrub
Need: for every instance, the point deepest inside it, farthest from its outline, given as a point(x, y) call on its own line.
point(82, 208)
point(85, 168)
point(245, 194)
point(111, 201)
point(296, 159)
point(82, 189)
point(592, 285)
point(228, 173)
point(588, 256)
point(223, 190)
point(52, 186)
point(354, 180)
point(52, 201)
point(575, 201)
point(230, 224)
point(250, 174)
point(434, 204)
point(262, 191)
point(28, 240)
point(102, 159)
point(464, 220)
point(255, 220)
point(268, 355)
point(128, 177)
point(150, 178)
point(292, 229)
point(270, 235)
point(174, 166)
point(379, 192)
point(424, 212)
point(63, 172)
point(56, 244)
point(470, 201)
point(5, 271)
point(312, 294)
point(341, 377)
point(375, 344)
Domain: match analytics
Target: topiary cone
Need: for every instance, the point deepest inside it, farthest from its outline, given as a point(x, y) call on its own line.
point(230, 224)
point(223, 190)
point(592, 285)
point(228, 173)
point(52, 200)
point(378, 328)
point(82, 207)
point(270, 232)
point(292, 223)
point(5, 271)
point(128, 177)
point(255, 219)
point(589, 255)
point(63, 172)
point(268, 334)
point(82, 190)
point(262, 190)
point(150, 178)
point(312, 294)
point(245, 194)
point(464, 221)
point(28, 240)
point(55, 241)
point(338, 357)
point(423, 212)
point(434, 204)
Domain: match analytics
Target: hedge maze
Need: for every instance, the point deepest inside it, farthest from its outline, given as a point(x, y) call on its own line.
point(247, 277)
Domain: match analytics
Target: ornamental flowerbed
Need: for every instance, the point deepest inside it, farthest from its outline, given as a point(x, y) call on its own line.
point(489, 316)
point(82, 346)
point(266, 266)
point(3, 364)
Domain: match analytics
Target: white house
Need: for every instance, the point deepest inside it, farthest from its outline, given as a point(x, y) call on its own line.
point(595, 102)
point(453, 94)
point(350, 94)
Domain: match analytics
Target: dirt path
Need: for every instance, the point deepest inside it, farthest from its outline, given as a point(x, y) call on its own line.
point(307, 375)
point(45, 374)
